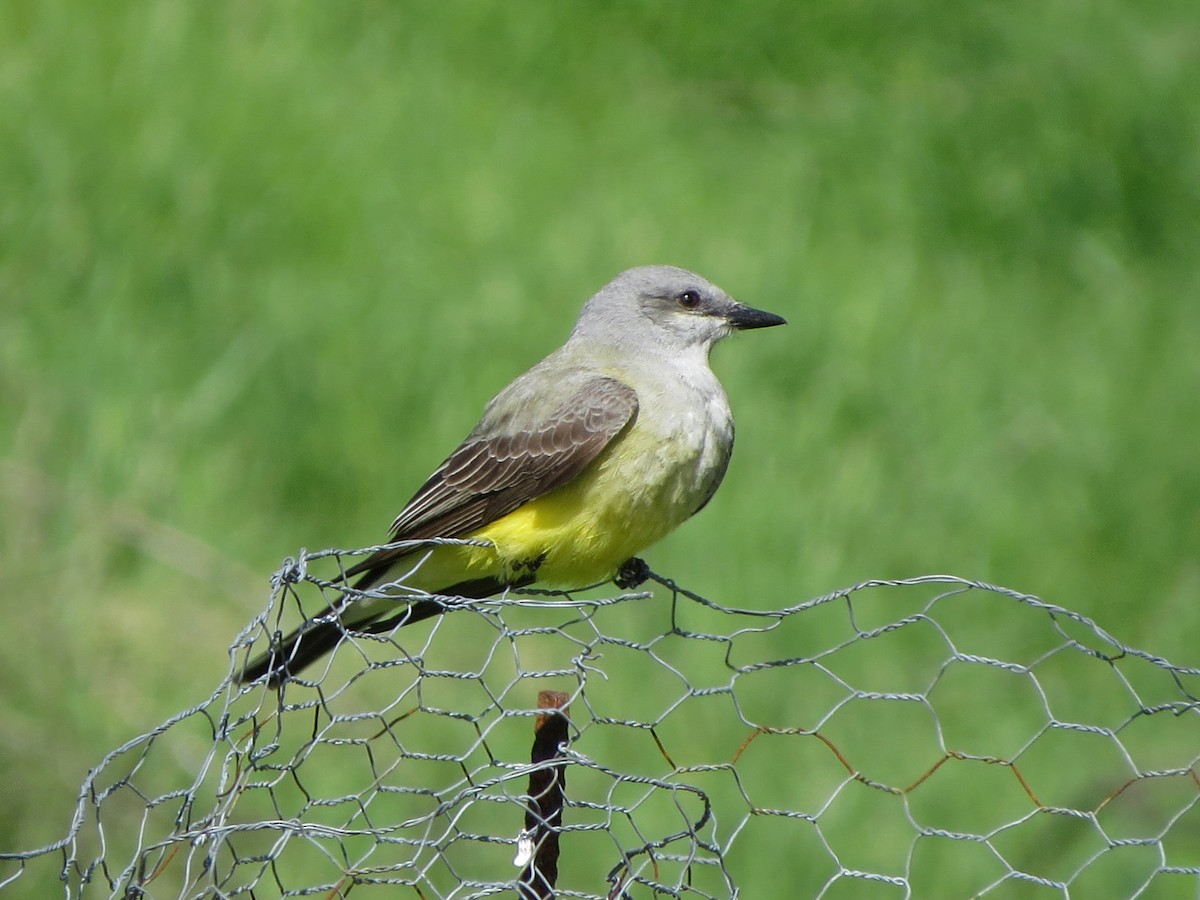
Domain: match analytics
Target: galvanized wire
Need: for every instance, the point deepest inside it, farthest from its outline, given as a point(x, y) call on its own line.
point(923, 737)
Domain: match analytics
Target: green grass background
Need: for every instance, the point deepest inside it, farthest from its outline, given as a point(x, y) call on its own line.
point(262, 264)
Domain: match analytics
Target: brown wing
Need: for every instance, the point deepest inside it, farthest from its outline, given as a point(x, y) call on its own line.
point(491, 474)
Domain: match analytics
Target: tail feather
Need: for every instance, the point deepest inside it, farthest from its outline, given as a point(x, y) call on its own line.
point(314, 638)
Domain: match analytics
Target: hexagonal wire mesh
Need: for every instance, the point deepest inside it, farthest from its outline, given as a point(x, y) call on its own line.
point(931, 736)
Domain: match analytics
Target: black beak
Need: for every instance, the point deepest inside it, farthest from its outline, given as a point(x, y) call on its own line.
point(744, 317)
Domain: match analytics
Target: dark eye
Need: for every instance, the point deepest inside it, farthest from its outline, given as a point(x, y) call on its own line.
point(689, 299)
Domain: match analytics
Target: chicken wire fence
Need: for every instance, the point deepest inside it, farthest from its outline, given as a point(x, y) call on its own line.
point(928, 737)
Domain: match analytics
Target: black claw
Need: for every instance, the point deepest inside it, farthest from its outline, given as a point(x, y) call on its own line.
point(632, 573)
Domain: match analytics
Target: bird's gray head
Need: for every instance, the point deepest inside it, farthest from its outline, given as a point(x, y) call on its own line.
point(667, 306)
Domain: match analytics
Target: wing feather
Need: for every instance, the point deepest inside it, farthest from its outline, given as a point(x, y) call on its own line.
point(495, 471)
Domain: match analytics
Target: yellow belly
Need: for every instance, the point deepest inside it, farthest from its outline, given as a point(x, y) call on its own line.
point(631, 496)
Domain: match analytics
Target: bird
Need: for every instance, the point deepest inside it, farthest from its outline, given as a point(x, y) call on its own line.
point(575, 468)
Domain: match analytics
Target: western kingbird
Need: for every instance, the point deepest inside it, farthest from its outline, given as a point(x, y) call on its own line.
point(581, 463)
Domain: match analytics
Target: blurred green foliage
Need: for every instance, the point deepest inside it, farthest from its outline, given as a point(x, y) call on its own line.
point(262, 264)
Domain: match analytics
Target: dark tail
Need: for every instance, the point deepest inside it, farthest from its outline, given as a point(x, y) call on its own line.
point(314, 638)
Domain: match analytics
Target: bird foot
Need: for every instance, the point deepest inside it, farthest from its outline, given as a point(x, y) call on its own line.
point(632, 573)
